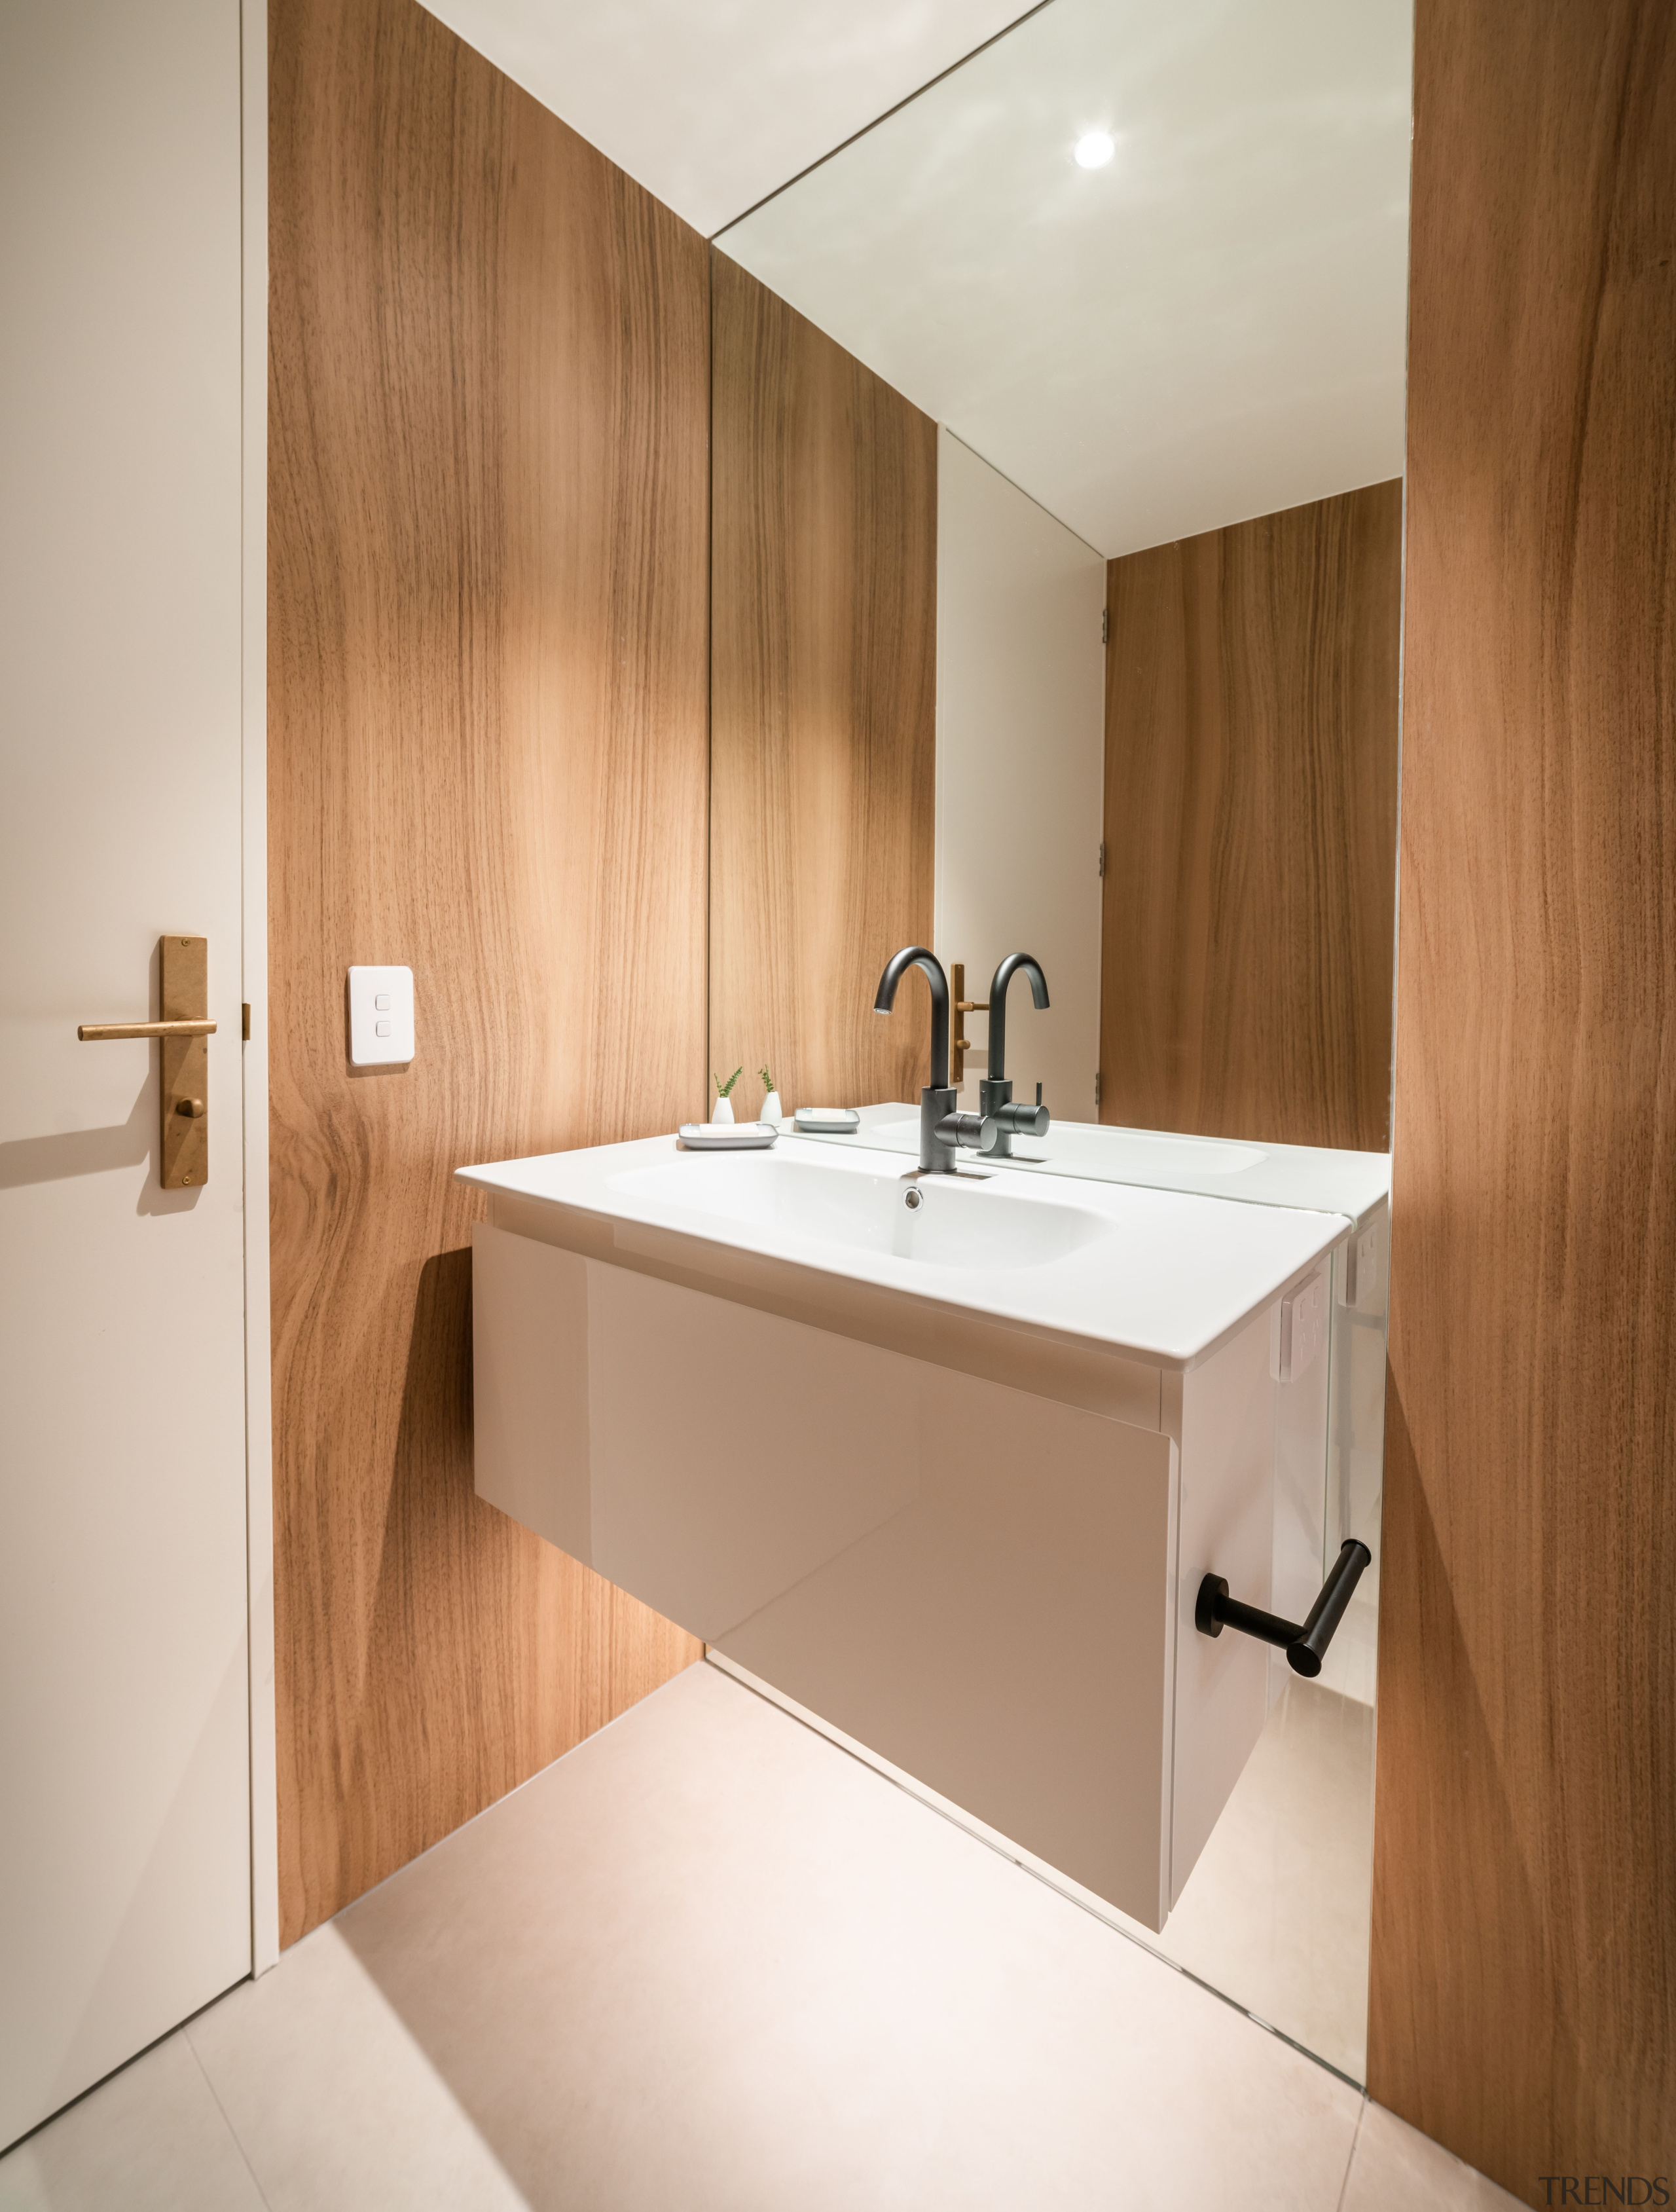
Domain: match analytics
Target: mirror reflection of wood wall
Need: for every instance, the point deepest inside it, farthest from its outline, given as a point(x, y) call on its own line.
point(823, 733)
point(1251, 822)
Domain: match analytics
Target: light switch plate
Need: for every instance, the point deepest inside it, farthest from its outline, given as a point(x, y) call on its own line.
point(381, 1017)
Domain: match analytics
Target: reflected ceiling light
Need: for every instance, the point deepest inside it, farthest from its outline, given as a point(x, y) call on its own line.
point(1095, 148)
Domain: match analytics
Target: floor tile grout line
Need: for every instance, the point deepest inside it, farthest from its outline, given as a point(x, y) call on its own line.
point(1350, 2163)
point(1009, 1858)
point(227, 2122)
point(133, 2059)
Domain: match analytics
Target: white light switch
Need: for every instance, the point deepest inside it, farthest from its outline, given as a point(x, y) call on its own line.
point(381, 1016)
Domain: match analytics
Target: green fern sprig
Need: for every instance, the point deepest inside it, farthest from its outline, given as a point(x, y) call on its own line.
point(722, 1089)
point(768, 1082)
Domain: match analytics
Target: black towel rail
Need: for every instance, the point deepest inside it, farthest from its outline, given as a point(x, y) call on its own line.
point(1304, 1642)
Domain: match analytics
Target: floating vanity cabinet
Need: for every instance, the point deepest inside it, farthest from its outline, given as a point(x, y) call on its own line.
point(942, 1461)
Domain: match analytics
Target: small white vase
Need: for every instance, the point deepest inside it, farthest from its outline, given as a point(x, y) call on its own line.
point(772, 1109)
point(722, 1110)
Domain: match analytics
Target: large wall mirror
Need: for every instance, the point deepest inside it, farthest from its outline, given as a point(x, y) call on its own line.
point(1057, 526)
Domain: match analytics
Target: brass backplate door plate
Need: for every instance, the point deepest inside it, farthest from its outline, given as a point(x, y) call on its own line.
point(185, 964)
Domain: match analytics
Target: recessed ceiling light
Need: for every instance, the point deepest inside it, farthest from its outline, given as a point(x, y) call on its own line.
point(1095, 148)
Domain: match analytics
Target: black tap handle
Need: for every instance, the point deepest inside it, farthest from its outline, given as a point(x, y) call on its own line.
point(972, 1132)
point(1025, 1121)
point(1304, 1642)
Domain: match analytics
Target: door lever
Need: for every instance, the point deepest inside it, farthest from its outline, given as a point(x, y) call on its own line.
point(1304, 1642)
point(185, 965)
point(102, 1032)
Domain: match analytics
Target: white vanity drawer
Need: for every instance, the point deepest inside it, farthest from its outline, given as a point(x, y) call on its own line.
point(990, 1588)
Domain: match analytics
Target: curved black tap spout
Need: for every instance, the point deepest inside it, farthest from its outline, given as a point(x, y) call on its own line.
point(995, 1092)
point(915, 956)
point(997, 1005)
point(943, 1130)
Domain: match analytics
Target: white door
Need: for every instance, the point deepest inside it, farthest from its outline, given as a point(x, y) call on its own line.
point(1021, 703)
point(124, 1730)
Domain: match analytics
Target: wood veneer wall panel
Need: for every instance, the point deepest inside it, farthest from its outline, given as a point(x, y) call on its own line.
point(1251, 825)
point(487, 727)
point(824, 737)
point(1524, 1963)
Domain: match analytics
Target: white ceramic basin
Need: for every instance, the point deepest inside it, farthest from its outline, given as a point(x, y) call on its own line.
point(941, 1221)
point(1159, 1273)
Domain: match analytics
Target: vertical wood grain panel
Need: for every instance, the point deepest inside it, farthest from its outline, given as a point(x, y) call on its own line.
point(1524, 1965)
point(1251, 809)
point(488, 614)
point(823, 707)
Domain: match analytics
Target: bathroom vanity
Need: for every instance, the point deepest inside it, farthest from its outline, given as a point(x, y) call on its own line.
point(942, 1460)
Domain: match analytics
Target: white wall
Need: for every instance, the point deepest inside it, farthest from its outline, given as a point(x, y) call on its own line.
point(1020, 715)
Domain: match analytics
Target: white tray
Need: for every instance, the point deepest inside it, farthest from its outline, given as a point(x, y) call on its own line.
point(727, 1136)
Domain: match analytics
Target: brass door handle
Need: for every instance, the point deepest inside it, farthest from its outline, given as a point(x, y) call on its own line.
point(99, 1032)
point(184, 964)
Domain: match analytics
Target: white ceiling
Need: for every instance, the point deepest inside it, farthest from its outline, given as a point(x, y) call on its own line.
point(712, 103)
point(1212, 327)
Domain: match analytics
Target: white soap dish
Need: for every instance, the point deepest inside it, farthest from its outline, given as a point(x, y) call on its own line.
point(727, 1136)
point(841, 1119)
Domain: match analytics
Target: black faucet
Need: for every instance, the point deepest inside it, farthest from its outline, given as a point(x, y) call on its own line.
point(995, 1091)
point(943, 1131)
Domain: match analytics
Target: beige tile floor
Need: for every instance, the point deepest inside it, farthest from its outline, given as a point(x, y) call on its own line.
point(1276, 1916)
point(709, 1959)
